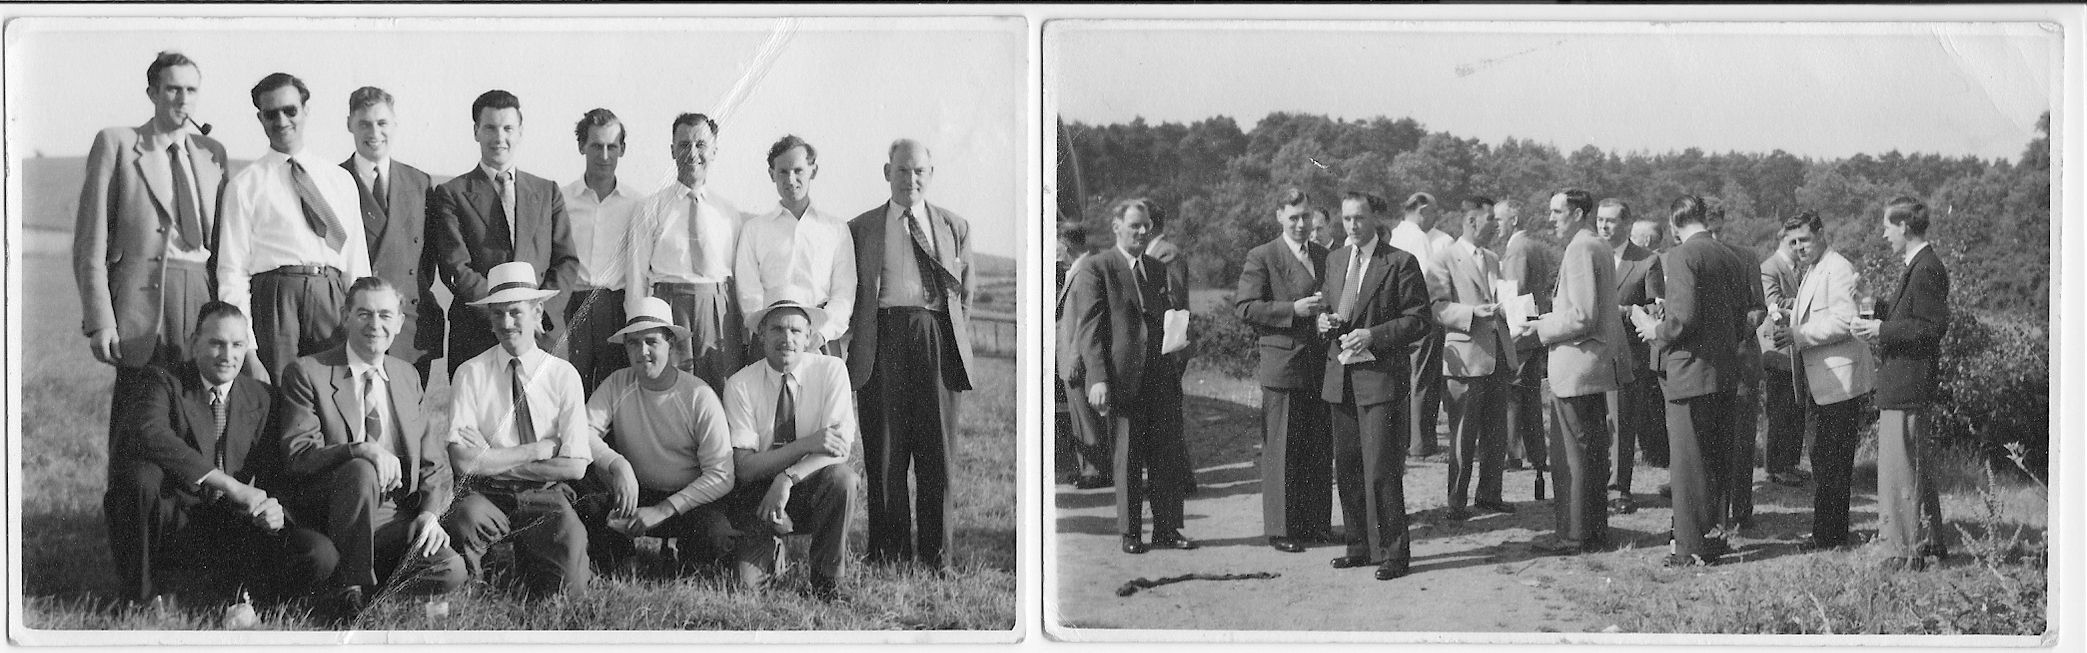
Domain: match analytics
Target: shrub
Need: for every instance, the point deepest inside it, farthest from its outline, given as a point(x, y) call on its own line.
point(1995, 387)
point(1224, 344)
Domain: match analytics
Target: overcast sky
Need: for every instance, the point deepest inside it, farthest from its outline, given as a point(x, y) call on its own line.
point(1813, 90)
point(848, 86)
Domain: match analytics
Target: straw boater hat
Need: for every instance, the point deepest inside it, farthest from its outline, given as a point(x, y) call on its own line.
point(514, 281)
point(652, 313)
point(813, 313)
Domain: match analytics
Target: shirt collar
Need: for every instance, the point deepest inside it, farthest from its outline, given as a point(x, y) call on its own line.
point(683, 191)
point(1366, 246)
point(362, 164)
point(529, 358)
point(920, 210)
point(494, 173)
point(224, 391)
point(579, 188)
point(1915, 251)
point(357, 366)
point(158, 141)
point(1471, 248)
point(769, 372)
point(1294, 245)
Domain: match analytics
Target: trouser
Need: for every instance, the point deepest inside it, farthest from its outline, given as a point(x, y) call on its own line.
point(184, 288)
point(1088, 435)
point(1909, 510)
point(1425, 402)
point(1784, 444)
point(1698, 441)
point(818, 505)
point(156, 522)
point(1525, 401)
point(550, 542)
point(1580, 453)
point(297, 312)
point(1742, 418)
point(710, 312)
point(1151, 458)
point(1635, 411)
point(1833, 463)
point(1478, 435)
point(591, 316)
point(908, 415)
point(370, 531)
point(705, 528)
point(1369, 459)
point(1296, 463)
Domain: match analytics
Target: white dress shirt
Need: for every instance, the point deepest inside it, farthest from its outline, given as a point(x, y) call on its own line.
point(902, 283)
point(482, 409)
point(601, 233)
point(809, 259)
point(1914, 251)
point(263, 226)
point(823, 399)
point(176, 250)
point(663, 223)
point(358, 369)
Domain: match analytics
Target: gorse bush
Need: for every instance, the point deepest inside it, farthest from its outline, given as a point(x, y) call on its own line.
point(1224, 343)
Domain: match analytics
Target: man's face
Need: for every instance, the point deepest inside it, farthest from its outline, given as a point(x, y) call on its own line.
point(498, 132)
point(1295, 221)
point(694, 147)
point(515, 324)
point(1896, 235)
point(1322, 226)
point(651, 351)
point(1643, 233)
point(1481, 226)
point(1133, 228)
point(1357, 218)
point(1562, 218)
point(1510, 218)
point(603, 147)
point(282, 117)
point(785, 334)
point(793, 172)
point(372, 127)
point(219, 348)
point(909, 172)
point(1801, 243)
point(1608, 222)
point(373, 320)
point(1425, 217)
point(175, 94)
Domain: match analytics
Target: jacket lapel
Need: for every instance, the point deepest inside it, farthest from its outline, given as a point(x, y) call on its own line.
point(869, 253)
point(409, 419)
point(1373, 275)
point(152, 166)
point(374, 220)
point(348, 399)
point(945, 241)
point(197, 409)
point(246, 416)
point(210, 172)
point(485, 202)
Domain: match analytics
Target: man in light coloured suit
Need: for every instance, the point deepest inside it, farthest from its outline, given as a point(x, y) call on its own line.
point(1477, 359)
point(1836, 367)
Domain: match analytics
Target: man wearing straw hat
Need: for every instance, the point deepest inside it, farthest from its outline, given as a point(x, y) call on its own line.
point(659, 442)
point(793, 423)
point(518, 432)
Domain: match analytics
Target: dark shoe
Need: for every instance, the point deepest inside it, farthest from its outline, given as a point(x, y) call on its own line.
point(1455, 514)
point(1093, 482)
point(1811, 544)
point(1319, 536)
point(1134, 545)
point(1622, 506)
point(1172, 540)
point(824, 588)
point(1935, 551)
point(1285, 545)
point(1513, 464)
point(1190, 488)
point(1897, 563)
point(1716, 547)
point(1786, 479)
point(343, 605)
point(1666, 491)
point(1351, 562)
point(1679, 560)
point(1391, 570)
point(1557, 548)
point(1501, 507)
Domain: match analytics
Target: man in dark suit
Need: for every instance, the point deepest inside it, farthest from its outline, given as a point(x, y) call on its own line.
point(1909, 330)
point(1380, 309)
point(1163, 249)
point(1634, 408)
point(1584, 336)
point(1119, 300)
point(491, 215)
point(1279, 298)
point(1697, 338)
point(1477, 359)
point(1737, 501)
point(189, 457)
point(394, 223)
point(910, 332)
point(364, 464)
point(1085, 445)
point(1528, 260)
point(1782, 374)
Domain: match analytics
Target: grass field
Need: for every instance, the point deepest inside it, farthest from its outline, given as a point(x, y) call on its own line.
point(67, 580)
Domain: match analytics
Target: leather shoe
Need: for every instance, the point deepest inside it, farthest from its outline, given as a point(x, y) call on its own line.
point(1351, 562)
point(1786, 479)
point(1622, 506)
point(1491, 505)
point(1815, 544)
point(1093, 482)
point(1134, 545)
point(1172, 540)
point(1455, 514)
point(1666, 491)
point(824, 588)
point(1285, 545)
point(1391, 570)
point(1319, 536)
point(1557, 548)
point(1679, 560)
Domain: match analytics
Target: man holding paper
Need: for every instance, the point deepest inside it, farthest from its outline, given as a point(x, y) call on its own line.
point(1528, 262)
point(1477, 360)
point(1634, 408)
point(1278, 296)
point(1380, 309)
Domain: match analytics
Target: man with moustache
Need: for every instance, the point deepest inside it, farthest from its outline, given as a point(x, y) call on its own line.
point(1279, 297)
point(601, 210)
point(1477, 359)
point(1634, 408)
point(289, 240)
point(1834, 365)
point(394, 222)
point(1908, 330)
point(495, 214)
point(798, 250)
point(1381, 309)
point(684, 238)
point(1416, 234)
point(1780, 275)
point(1527, 260)
point(1584, 334)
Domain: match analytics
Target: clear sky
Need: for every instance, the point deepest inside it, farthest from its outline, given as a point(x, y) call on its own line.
point(849, 86)
point(1811, 89)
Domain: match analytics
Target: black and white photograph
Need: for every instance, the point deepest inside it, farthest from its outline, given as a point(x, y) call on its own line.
point(337, 325)
point(1515, 331)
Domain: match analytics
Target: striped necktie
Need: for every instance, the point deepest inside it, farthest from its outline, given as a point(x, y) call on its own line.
point(218, 418)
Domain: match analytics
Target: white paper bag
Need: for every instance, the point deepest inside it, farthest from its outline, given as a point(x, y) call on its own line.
point(1176, 338)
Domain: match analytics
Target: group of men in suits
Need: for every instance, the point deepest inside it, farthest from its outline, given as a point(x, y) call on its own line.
point(202, 287)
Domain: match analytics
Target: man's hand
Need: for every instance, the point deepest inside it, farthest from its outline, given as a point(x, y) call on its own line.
point(1357, 340)
point(835, 445)
point(1312, 305)
point(1098, 397)
point(648, 517)
point(388, 473)
point(774, 502)
point(245, 497)
point(1866, 329)
point(545, 449)
point(102, 343)
point(623, 491)
point(268, 515)
point(1485, 310)
point(1781, 336)
point(424, 536)
point(1648, 331)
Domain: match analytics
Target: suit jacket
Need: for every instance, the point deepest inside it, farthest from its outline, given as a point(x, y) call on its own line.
point(398, 255)
point(1583, 330)
point(1837, 366)
point(167, 422)
point(1529, 261)
point(1639, 280)
point(468, 230)
point(1471, 346)
point(126, 222)
point(321, 421)
point(1116, 323)
point(953, 243)
point(1068, 353)
point(1289, 344)
point(1753, 310)
point(1393, 305)
point(1779, 282)
point(1911, 334)
point(1699, 335)
point(1170, 255)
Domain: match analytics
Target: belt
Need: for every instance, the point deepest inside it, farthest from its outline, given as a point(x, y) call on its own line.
point(306, 270)
point(511, 486)
point(684, 288)
point(908, 310)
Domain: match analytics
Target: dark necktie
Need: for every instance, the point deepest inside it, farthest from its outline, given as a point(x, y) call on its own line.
point(373, 409)
point(217, 415)
point(1144, 279)
point(185, 199)
point(377, 189)
point(929, 260)
point(525, 426)
point(317, 212)
point(785, 414)
point(696, 262)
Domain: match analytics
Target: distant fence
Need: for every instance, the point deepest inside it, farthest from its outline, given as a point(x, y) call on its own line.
point(993, 334)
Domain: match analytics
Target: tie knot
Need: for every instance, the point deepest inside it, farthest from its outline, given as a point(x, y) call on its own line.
point(216, 397)
point(174, 148)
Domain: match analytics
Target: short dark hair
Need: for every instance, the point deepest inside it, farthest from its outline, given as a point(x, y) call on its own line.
point(1151, 209)
point(215, 309)
point(275, 81)
point(1416, 201)
point(1291, 197)
point(1579, 199)
point(1377, 203)
point(1687, 210)
point(1909, 213)
point(495, 99)
point(367, 96)
point(598, 117)
point(367, 284)
point(167, 59)
point(1622, 209)
point(1476, 202)
point(785, 144)
point(1072, 234)
point(1802, 220)
point(688, 119)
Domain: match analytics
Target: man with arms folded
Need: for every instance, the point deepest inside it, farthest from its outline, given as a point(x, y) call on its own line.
point(1527, 260)
point(1380, 309)
point(367, 467)
point(1909, 330)
point(1279, 298)
point(290, 241)
point(661, 444)
point(797, 250)
point(601, 210)
point(518, 433)
point(683, 243)
point(1634, 408)
point(1477, 359)
point(394, 223)
point(1416, 234)
point(793, 424)
point(1835, 365)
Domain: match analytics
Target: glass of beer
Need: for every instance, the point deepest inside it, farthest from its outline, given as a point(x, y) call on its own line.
point(1866, 307)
